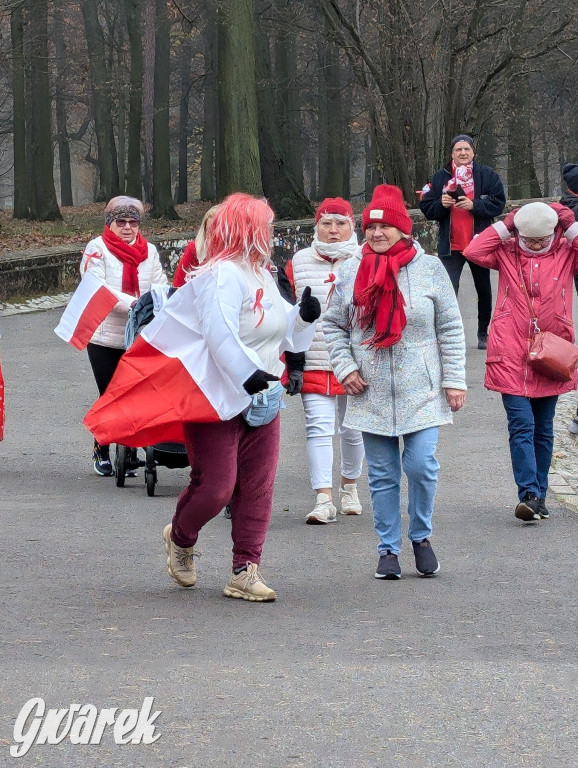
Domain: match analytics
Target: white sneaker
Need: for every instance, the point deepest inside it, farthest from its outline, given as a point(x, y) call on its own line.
point(324, 512)
point(349, 500)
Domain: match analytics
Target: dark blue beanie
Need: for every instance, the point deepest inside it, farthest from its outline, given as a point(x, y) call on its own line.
point(462, 137)
point(570, 176)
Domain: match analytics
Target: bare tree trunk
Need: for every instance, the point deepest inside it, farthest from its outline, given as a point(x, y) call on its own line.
point(545, 160)
point(43, 203)
point(332, 126)
point(21, 204)
point(284, 193)
point(486, 145)
point(522, 179)
point(162, 195)
point(133, 163)
point(148, 95)
point(59, 94)
point(238, 124)
point(289, 107)
point(210, 112)
point(185, 88)
point(107, 155)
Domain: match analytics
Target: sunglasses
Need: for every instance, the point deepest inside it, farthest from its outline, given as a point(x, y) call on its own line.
point(122, 223)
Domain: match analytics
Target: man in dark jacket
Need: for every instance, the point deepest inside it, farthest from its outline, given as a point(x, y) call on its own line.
point(464, 197)
point(570, 199)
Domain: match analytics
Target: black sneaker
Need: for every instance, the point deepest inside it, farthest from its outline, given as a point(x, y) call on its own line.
point(426, 562)
point(482, 340)
point(528, 509)
point(388, 567)
point(544, 512)
point(101, 461)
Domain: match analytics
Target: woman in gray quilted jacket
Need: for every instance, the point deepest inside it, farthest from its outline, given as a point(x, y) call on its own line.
point(396, 344)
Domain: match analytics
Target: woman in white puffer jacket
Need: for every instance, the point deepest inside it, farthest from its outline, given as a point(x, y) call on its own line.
point(324, 399)
point(122, 259)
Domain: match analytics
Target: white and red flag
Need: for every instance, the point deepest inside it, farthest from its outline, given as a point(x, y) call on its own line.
point(92, 301)
point(188, 364)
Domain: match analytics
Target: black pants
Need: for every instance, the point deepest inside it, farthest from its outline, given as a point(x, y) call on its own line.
point(454, 263)
point(103, 361)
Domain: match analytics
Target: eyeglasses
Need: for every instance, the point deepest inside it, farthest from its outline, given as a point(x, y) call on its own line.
point(122, 223)
point(541, 241)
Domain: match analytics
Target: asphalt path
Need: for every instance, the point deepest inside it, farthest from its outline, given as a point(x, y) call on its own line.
point(475, 668)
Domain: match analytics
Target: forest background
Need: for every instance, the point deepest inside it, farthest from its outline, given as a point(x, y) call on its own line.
point(180, 103)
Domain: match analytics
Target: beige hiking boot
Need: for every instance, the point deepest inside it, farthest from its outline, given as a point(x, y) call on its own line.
point(180, 564)
point(249, 585)
point(349, 500)
point(323, 512)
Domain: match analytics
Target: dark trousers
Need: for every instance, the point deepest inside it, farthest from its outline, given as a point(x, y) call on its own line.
point(103, 361)
point(235, 464)
point(454, 263)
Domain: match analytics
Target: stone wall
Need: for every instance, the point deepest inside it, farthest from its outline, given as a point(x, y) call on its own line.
point(50, 271)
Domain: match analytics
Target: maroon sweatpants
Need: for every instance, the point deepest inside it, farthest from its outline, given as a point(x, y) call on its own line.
point(234, 463)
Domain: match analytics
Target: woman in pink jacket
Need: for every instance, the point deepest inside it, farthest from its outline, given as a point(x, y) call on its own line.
point(535, 244)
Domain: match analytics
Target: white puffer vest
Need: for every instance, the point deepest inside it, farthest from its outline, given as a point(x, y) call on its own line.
point(309, 268)
point(105, 265)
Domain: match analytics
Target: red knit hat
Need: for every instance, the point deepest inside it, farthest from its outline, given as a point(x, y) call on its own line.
point(334, 205)
point(387, 207)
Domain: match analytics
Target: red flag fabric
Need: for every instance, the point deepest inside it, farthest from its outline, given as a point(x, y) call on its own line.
point(149, 398)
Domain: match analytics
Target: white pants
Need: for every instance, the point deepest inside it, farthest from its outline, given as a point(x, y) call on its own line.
point(320, 411)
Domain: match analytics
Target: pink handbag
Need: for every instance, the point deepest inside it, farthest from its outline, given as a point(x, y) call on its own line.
point(553, 356)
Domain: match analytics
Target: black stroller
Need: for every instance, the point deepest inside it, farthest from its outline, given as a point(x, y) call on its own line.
point(171, 455)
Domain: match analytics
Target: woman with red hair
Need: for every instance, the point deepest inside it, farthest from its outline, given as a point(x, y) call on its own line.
point(246, 325)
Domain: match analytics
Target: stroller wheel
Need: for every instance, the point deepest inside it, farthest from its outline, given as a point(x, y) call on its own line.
point(151, 481)
point(120, 465)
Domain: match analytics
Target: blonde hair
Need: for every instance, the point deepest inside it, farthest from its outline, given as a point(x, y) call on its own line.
point(202, 233)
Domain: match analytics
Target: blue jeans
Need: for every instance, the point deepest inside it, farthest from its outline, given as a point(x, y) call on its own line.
point(531, 428)
point(384, 474)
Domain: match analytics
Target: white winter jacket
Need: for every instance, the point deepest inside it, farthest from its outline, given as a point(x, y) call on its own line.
point(99, 260)
point(309, 268)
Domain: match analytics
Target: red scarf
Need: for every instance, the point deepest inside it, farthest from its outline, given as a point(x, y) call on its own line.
point(130, 255)
point(376, 295)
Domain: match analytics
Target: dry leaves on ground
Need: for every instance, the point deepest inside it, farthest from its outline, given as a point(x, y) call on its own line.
point(82, 223)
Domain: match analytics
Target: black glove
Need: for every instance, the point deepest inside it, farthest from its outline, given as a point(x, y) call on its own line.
point(309, 306)
point(295, 383)
point(258, 381)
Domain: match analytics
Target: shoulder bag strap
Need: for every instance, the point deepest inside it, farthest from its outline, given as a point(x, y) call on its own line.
point(528, 302)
